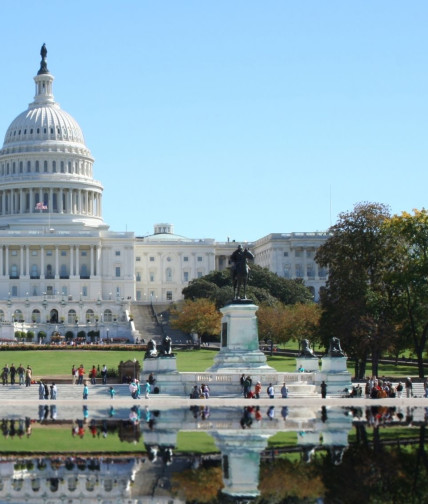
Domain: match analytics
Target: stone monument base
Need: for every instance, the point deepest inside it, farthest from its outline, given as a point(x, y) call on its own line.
point(158, 365)
point(240, 361)
point(335, 374)
point(309, 364)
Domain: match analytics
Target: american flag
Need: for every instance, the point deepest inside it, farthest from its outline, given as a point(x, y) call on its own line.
point(41, 206)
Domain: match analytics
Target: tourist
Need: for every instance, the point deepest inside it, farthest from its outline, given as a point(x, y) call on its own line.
point(152, 381)
point(5, 374)
point(12, 374)
point(133, 389)
point(399, 389)
point(104, 374)
point(81, 373)
point(28, 376)
point(148, 389)
point(41, 390)
point(112, 392)
point(46, 390)
point(426, 387)
point(284, 391)
point(85, 390)
point(205, 391)
point(409, 387)
point(21, 374)
point(323, 387)
point(241, 381)
point(195, 392)
point(270, 391)
point(73, 375)
point(247, 385)
point(257, 390)
point(53, 391)
point(93, 375)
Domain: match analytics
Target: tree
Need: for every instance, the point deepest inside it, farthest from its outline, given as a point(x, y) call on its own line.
point(355, 302)
point(199, 316)
point(407, 277)
point(263, 287)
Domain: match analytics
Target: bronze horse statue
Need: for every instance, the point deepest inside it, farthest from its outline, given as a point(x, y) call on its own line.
point(240, 271)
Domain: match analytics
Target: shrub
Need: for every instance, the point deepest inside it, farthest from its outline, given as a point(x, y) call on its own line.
point(30, 335)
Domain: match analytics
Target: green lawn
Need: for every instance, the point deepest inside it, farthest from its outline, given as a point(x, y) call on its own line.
point(59, 362)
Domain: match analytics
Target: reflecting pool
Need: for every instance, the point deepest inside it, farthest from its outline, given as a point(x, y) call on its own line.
point(271, 454)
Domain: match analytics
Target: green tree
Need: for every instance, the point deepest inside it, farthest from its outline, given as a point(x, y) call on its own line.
point(407, 277)
point(263, 287)
point(355, 302)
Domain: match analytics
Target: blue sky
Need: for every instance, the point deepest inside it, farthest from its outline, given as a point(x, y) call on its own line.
point(233, 118)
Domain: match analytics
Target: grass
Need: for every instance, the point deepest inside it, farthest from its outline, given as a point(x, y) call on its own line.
point(59, 362)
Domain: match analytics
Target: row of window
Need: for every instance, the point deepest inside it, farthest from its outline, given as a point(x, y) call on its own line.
point(72, 318)
point(168, 276)
point(185, 259)
point(76, 167)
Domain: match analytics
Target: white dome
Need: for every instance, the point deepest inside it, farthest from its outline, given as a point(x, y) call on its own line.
point(43, 122)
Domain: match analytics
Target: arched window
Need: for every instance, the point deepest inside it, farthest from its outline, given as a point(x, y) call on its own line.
point(90, 316)
point(18, 316)
point(71, 317)
point(35, 316)
point(108, 317)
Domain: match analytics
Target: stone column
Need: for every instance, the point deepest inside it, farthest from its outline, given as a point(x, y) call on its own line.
point(42, 262)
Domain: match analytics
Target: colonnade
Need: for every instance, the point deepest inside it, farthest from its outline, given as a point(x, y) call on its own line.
point(58, 200)
point(15, 261)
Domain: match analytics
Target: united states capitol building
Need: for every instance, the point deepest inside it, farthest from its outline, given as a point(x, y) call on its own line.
point(62, 270)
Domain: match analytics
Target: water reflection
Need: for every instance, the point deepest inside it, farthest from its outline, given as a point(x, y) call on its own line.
point(259, 454)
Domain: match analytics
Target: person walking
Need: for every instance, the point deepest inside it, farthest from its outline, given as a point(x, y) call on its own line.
point(112, 392)
point(323, 387)
point(53, 391)
point(46, 390)
point(73, 375)
point(148, 389)
point(85, 390)
point(271, 391)
point(257, 390)
point(247, 385)
point(284, 391)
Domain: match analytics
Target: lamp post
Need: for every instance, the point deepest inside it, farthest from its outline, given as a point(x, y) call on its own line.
point(107, 331)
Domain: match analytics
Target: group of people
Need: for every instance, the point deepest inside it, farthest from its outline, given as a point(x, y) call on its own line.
point(78, 374)
point(23, 375)
point(248, 392)
point(46, 392)
point(379, 388)
point(200, 392)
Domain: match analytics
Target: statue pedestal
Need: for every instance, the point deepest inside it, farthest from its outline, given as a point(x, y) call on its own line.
point(335, 373)
point(157, 365)
point(240, 341)
point(308, 364)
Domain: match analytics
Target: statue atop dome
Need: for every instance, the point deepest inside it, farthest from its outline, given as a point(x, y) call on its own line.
point(43, 64)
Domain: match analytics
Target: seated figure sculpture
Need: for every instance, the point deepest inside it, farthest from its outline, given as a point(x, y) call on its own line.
point(335, 350)
point(307, 351)
point(166, 348)
point(151, 351)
